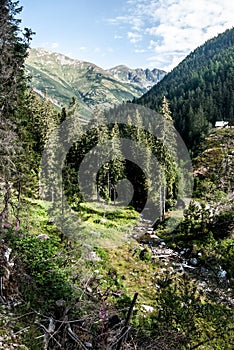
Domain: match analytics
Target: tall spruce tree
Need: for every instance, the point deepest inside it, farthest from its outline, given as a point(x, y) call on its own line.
point(112, 171)
point(169, 173)
point(13, 50)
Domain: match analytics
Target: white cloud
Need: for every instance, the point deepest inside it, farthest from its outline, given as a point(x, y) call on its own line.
point(134, 37)
point(183, 26)
point(172, 29)
point(140, 50)
point(137, 23)
point(119, 19)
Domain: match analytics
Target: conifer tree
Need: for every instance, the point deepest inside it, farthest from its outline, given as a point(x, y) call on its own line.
point(165, 110)
point(13, 51)
point(113, 170)
point(169, 169)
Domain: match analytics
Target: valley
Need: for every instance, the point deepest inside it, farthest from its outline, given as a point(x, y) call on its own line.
point(116, 199)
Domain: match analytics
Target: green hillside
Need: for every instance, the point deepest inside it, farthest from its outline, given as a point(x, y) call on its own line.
point(200, 89)
point(62, 78)
point(214, 163)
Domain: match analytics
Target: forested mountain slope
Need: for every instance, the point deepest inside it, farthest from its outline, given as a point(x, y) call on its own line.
point(200, 89)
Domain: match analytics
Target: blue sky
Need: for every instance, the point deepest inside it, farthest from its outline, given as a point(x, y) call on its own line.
point(137, 33)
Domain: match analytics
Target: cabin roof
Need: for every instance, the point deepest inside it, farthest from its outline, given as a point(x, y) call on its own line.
point(220, 123)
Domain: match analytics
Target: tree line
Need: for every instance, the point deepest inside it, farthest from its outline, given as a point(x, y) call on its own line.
point(31, 127)
point(199, 89)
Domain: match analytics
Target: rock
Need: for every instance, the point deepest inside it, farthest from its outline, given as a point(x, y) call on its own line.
point(180, 268)
point(43, 236)
point(150, 231)
point(87, 246)
point(51, 221)
point(193, 261)
point(7, 254)
point(154, 237)
point(147, 308)
point(88, 345)
point(93, 256)
point(184, 251)
point(222, 273)
point(95, 234)
point(60, 303)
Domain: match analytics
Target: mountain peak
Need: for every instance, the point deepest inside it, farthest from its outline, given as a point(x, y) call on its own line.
point(43, 54)
point(145, 78)
point(64, 77)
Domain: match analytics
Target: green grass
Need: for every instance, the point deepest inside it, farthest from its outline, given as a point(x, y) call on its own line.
point(54, 265)
point(106, 225)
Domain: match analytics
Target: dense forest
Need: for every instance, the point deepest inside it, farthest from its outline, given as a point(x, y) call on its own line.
point(83, 264)
point(199, 89)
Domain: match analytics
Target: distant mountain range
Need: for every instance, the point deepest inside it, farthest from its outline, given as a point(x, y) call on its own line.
point(142, 79)
point(63, 78)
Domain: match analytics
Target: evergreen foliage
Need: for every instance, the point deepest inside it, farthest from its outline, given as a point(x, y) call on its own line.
point(105, 140)
point(199, 89)
point(13, 51)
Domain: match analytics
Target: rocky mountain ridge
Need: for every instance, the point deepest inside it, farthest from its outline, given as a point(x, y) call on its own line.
point(62, 78)
point(144, 78)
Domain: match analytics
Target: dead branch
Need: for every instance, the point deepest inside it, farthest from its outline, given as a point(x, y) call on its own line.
point(126, 328)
